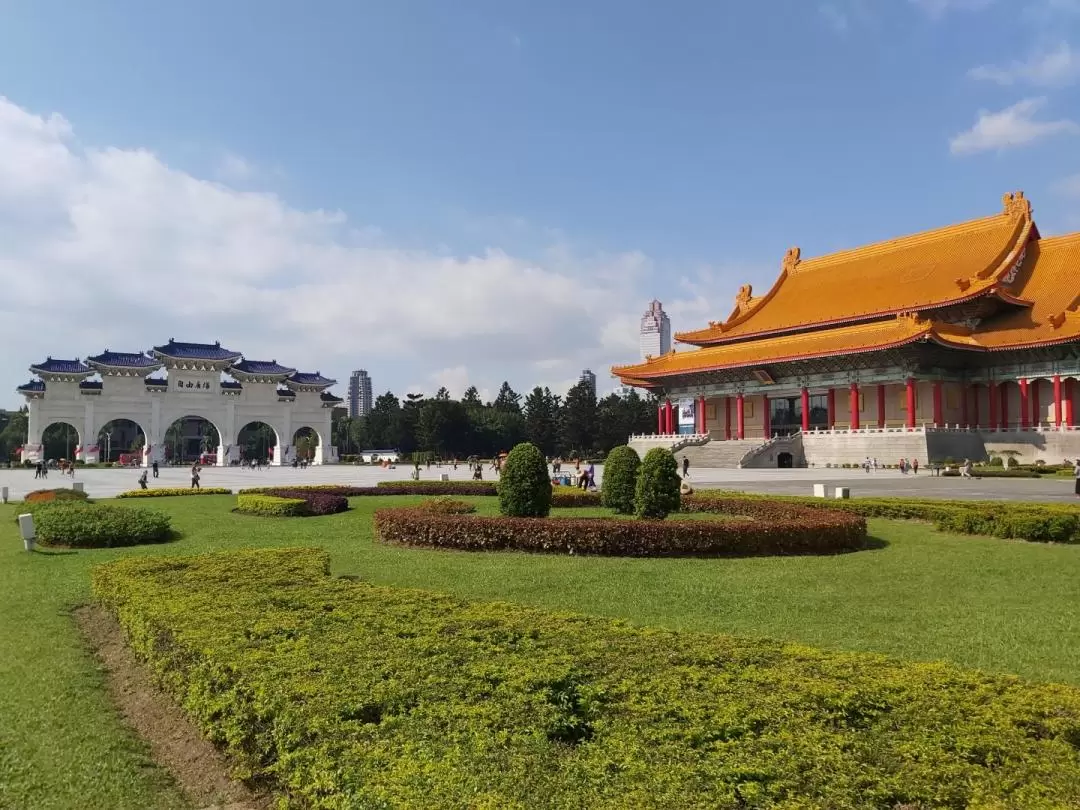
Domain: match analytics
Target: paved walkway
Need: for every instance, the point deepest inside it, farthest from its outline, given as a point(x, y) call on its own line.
point(105, 483)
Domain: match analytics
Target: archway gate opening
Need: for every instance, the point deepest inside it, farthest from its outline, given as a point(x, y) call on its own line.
point(177, 381)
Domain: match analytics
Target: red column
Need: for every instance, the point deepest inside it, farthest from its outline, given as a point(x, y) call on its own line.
point(830, 400)
point(727, 417)
point(910, 386)
point(1024, 405)
point(660, 420)
point(1003, 390)
point(938, 418)
point(700, 415)
point(1036, 407)
point(1057, 400)
point(766, 417)
point(805, 395)
point(992, 400)
point(740, 419)
point(975, 405)
point(669, 418)
point(1070, 403)
point(964, 405)
point(854, 406)
point(881, 406)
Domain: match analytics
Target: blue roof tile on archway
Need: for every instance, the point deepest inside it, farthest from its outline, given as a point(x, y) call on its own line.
point(328, 397)
point(262, 367)
point(230, 385)
point(51, 366)
point(285, 392)
point(158, 382)
point(123, 359)
point(196, 351)
point(304, 378)
point(90, 385)
point(33, 385)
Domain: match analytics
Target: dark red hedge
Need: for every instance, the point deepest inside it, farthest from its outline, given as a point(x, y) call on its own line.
point(559, 500)
point(318, 501)
point(777, 528)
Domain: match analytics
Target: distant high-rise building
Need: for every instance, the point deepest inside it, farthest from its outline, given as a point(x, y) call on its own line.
point(359, 394)
point(655, 335)
point(589, 379)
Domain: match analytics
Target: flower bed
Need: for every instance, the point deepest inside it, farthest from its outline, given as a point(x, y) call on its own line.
point(340, 694)
point(1039, 522)
point(315, 500)
point(58, 494)
point(774, 528)
point(561, 497)
point(94, 525)
point(169, 492)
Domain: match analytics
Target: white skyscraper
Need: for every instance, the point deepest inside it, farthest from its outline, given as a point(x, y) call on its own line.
point(360, 400)
point(655, 331)
point(589, 379)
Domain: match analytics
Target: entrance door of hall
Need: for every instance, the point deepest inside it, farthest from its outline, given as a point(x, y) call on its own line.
point(785, 414)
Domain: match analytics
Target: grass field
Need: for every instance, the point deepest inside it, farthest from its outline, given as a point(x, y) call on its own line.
point(997, 605)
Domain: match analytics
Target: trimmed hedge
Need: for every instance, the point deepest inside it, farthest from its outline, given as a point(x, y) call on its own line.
point(561, 497)
point(169, 492)
point(443, 487)
point(995, 472)
point(315, 500)
point(339, 694)
point(1038, 522)
point(75, 524)
point(271, 506)
point(58, 494)
point(772, 529)
point(620, 479)
point(524, 487)
point(445, 505)
point(657, 492)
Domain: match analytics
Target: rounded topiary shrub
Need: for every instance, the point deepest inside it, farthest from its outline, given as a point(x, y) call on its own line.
point(524, 486)
point(620, 479)
point(657, 491)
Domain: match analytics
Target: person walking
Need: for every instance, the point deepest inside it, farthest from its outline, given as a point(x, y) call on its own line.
point(154, 467)
point(142, 480)
point(915, 466)
point(195, 476)
point(1076, 476)
point(685, 467)
point(37, 470)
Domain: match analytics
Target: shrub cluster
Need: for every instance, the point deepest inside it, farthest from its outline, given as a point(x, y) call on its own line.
point(561, 497)
point(656, 494)
point(620, 479)
point(994, 472)
point(760, 527)
point(313, 501)
point(524, 486)
point(78, 524)
point(1040, 522)
point(429, 701)
point(169, 492)
point(271, 505)
point(445, 505)
point(59, 494)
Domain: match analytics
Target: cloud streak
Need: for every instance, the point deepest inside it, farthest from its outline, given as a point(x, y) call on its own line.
point(1012, 127)
point(1058, 66)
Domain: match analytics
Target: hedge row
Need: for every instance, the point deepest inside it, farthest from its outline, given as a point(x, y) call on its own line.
point(1039, 522)
point(994, 472)
point(339, 694)
point(58, 494)
point(169, 492)
point(271, 505)
point(445, 505)
point(561, 497)
point(77, 524)
point(772, 528)
point(316, 501)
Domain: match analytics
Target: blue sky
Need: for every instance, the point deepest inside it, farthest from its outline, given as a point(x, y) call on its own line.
point(325, 184)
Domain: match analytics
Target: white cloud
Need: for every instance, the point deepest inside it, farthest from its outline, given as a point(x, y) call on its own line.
point(1052, 67)
point(111, 248)
point(1013, 126)
point(234, 169)
point(939, 8)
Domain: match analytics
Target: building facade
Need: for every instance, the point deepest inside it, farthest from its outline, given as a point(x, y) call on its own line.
point(589, 378)
point(655, 335)
point(203, 385)
point(953, 343)
point(360, 399)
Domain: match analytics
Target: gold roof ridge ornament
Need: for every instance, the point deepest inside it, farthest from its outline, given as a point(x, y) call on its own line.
point(791, 259)
point(1015, 204)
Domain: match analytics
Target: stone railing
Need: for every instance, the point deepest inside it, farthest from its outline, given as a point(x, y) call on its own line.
point(792, 440)
point(693, 440)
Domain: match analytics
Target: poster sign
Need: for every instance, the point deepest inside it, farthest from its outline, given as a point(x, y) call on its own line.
point(687, 411)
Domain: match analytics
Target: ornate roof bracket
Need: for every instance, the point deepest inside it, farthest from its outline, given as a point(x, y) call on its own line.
point(1015, 204)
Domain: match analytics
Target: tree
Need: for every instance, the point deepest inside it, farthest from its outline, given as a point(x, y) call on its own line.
point(619, 416)
point(383, 423)
point(524, 486)
point(542, 420)
point(621, 469)
point(13, 432)
point(577, 421)
point(657, 492)
point(508, 400)
point(443, 394)
point(471, 398)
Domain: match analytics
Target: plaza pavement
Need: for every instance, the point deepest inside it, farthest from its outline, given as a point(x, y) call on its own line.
point(105, 483)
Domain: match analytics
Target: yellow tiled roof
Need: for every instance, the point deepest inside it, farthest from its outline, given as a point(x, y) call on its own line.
point(1050, 278)
point(863, 337)
point(921, 271)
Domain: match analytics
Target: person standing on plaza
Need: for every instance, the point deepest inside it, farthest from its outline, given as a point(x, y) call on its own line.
point(195, 476)
point(1076, 476)
point(154, 467)
point(37, 470)
point(685, 467)
point(142, 480)
point(915, 466)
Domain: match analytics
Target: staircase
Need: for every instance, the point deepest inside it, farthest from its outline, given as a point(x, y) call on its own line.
point(766, 456)
point(718, 454)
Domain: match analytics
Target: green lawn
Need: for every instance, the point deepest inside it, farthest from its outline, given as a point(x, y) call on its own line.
point(994, 604)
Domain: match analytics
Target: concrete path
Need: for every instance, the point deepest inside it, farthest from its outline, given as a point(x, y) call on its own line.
point(105, 483)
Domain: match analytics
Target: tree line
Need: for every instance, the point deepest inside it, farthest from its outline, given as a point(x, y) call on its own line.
point(577, 425)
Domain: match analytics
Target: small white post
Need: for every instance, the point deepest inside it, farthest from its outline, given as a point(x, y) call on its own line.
point(26, 528)
point(819, 490)
point(77, 486)
point(843, 492)
point(3, 494)
point(444, 477)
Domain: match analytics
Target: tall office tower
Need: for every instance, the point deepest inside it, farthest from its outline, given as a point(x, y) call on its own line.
point(655, 334)
point(589, 379)
point(360, 400)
